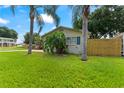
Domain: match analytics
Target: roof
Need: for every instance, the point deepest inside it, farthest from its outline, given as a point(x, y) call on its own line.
point(60, 27)
point(118, 35)
point(7, 38)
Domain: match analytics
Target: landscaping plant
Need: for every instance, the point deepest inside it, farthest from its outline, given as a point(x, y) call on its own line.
point(55, 43)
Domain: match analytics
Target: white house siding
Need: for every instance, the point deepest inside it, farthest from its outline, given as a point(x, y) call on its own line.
point(120, 36)
point(7, 42)
point(123, 45)
point(75, 49)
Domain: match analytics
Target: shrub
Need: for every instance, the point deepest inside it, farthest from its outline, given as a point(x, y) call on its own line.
point(36, 38)
point(38, 42)
point(55, 43)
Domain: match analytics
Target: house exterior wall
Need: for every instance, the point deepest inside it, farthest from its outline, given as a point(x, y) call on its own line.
point(120, 36)
point(4, 42)
point(99, 47)
point(75, 49)
point(123, 44)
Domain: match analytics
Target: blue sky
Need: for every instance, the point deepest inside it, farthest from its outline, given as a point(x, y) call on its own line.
point(20, 22)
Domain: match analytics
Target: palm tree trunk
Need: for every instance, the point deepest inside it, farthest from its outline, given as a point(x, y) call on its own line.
point(31, 29)
point(84, 33)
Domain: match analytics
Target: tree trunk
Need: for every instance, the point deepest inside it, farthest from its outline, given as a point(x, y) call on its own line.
point(31, 29)
point(84, 33)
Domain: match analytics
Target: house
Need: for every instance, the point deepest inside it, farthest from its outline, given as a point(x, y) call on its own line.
point(95, 47)
point(7, 42)
point(120, 36)
point(73, 39)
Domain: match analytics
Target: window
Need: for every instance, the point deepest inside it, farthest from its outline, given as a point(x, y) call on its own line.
point(11, 40)
point(68, 40)
point(78, 40)
point(73, 40)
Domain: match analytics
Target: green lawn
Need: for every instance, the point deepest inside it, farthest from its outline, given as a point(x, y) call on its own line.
point(12, 48)
point(17, 69)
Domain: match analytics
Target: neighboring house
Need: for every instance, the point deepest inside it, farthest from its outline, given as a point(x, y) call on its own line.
point(73, 39)
point(120, 36)
point(7, 42)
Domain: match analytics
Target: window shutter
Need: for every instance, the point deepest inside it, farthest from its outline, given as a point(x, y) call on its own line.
point(78, 40)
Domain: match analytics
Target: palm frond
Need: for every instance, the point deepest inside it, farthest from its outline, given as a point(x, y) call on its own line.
point(13, 9)
point(39, 20)
point(51, 10)
point(56, 20)
point(76, 13)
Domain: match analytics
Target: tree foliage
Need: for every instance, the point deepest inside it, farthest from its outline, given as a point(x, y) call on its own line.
point(34, 13)
point(55, 43)
point(8, 33)
point(48, 9)
point(106, 20)
point(36, 38)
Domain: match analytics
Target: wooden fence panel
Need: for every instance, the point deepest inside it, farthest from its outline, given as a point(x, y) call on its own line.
point(104, 47)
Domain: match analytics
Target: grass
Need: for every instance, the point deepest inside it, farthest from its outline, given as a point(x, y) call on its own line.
point(17, 69)
point(12, 48)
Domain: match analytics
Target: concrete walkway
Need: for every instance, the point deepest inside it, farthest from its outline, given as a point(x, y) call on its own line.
point(20, 50)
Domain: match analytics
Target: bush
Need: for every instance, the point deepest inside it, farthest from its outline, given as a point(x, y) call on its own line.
point(55, 43)
point(36, 38)
point(37, 41)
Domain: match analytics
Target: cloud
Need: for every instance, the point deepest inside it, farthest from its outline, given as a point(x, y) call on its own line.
point(47, 18)
point(22, 11)
point(34, 19)
point(3, 21)
point(6, 6)
point(18, 26)
point(20, 39)
point(53, 27)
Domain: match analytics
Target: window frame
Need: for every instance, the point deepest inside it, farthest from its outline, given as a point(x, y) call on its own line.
point(71, 41)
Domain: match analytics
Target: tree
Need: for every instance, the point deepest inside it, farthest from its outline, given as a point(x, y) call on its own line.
point(50, 10)
point(104, 21)
point(37, 40)
point(34, 13)
point(82, 11)
point(32, 16)
point(27, 38)
point(55, 43)
point(8, 33)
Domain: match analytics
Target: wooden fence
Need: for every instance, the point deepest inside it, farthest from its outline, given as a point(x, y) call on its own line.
point(104, 47)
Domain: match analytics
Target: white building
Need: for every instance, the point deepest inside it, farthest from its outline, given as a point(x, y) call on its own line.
point(74, 42)
point(121, 36)
point(73, 39)
point(4, 42)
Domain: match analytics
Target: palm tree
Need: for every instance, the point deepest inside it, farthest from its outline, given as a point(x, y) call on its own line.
point(50, 10)
point(82, 11)
point(84, 32)
point(32, 16)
